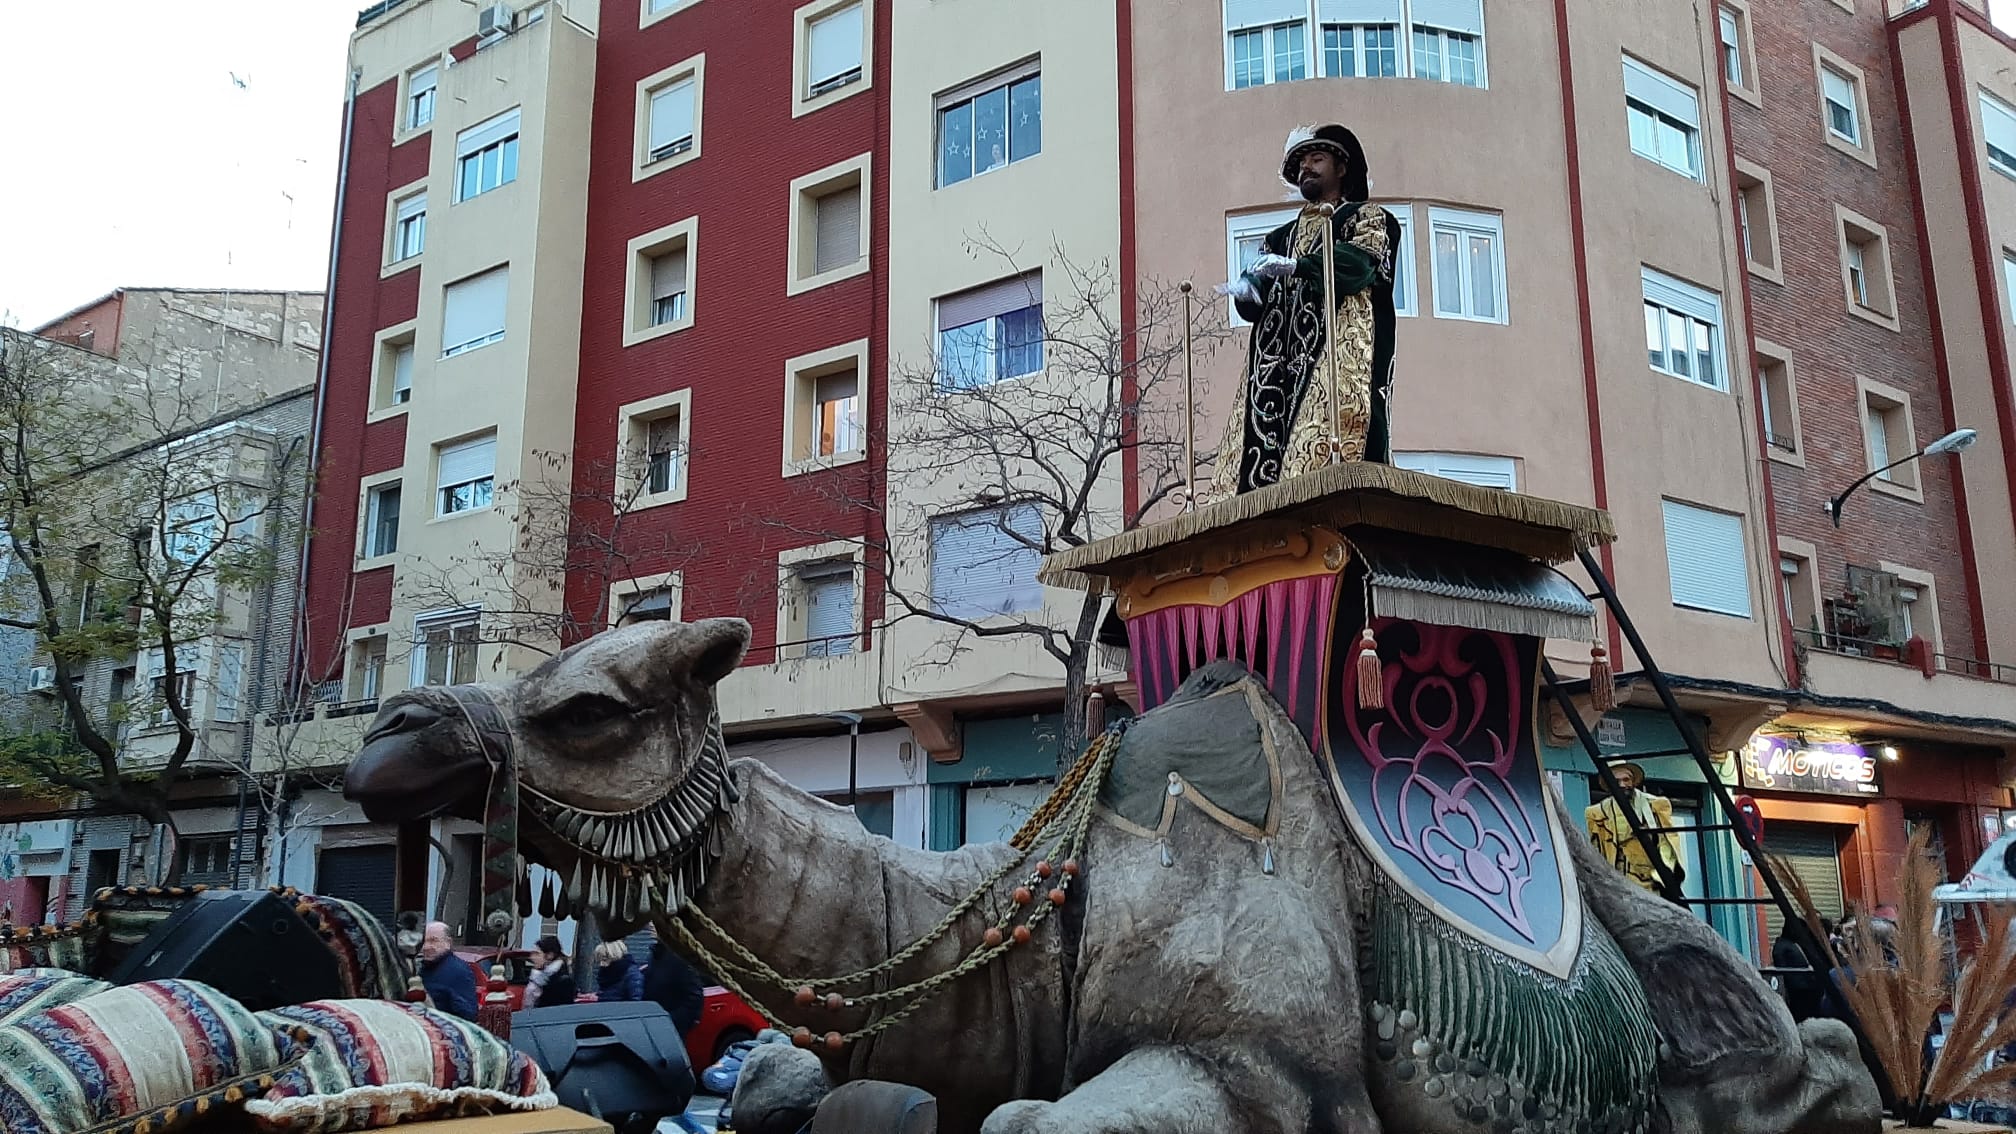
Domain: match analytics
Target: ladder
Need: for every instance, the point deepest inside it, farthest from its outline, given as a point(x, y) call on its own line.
point(1732, 820)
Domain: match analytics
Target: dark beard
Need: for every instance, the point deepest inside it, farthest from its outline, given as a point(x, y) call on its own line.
point(1312, 190)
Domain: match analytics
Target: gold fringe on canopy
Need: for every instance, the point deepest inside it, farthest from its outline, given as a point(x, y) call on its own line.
point(1359, 492)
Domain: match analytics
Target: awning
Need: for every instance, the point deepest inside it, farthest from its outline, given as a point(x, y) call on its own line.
point(1450, 584)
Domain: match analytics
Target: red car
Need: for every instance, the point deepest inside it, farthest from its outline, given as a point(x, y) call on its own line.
point(724, 1018)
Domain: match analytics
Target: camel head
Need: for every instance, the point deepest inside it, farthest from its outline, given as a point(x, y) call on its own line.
point(617, 749)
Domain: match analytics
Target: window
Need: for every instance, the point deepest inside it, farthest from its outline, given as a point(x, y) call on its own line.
point(824, 422)
point(409, 228)
point(653, 439)
point(667, 126)
point(402, 373)
point(1837, 94)
point(1470, 468)
point(1665, 119)
point(1998, 126)
point(1907, 597)
point(392, 369)
point(420, 96)
point(828, 591)
point(472, 312)
point(1683, 330)
point(664, 446)
point(190, 529)
point(1865, 268)
point(2009, 279)
point(185, 689)
point(828, 225)
point(367, 669)
point(658, 292)
point(1887, 430)
point(1795, 580)
point(486, 156)
point(1779, 405)
point(444, 648)
point(85, 584)
point(835, 50)
point(464, 475)
point(230, 682)
point(381, 521)
point(1729, 23)
point(206, 859)
point(1469, 268)
point(986, 125)
point(836, 402)
point(991, 333)
point(1245, 233)
point(671, 126)
point(1279, 41)
point(654, 604)
point(984, 563)
point(1757, 215)
point(1705, 561)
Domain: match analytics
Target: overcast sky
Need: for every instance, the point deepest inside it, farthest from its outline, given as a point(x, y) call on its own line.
point(131, 157)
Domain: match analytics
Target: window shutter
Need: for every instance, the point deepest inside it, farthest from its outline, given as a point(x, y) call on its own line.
point(978, 570)
point(412, 206)
point(1662, 94)
point(467, 461)
point(838, 218)
point(1838, 87)
point(483, 134)
point(671, 114)
point(1683, 297)
point(1466, 16)
point(829, 604)
point(663, 435)
point(474, 308)
point(1254, 13)
point(668, 274)
point(834, 45)
point(1705, 561)
point(1470, 468)
point(402, 369)
point(990, 300)
point(422, 81)
point(1998, 124)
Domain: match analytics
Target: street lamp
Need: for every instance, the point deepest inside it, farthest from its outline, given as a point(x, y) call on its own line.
point(1951, 443)
point(853, 723)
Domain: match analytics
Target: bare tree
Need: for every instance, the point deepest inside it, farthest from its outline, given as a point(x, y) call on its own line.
point(132, 527)
point(1041, 461)
point(570, 528)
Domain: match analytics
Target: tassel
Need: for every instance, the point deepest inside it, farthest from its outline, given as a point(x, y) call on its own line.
point(494, 1015)
point(1602, 687)
point(1371, 678)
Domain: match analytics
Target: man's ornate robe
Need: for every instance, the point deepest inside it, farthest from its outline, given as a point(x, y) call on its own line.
point(1282, 420)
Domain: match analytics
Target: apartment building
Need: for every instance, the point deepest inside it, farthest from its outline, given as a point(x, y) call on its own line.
point(199, 405)
point(621, 292)
point(1705, 265)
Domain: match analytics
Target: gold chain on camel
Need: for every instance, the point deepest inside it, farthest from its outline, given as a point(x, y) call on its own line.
point(1066, 813)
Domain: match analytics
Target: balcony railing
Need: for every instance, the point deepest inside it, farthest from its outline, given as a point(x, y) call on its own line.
point(1897, 653)
point(322, 709)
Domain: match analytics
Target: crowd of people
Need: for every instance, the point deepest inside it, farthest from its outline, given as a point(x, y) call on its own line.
point(665, 978)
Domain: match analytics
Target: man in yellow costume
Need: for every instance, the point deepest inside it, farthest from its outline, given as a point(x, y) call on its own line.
point(1610, 829)
point(1283, 421)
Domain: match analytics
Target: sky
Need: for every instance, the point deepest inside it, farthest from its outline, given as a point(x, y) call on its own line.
point(129, 156)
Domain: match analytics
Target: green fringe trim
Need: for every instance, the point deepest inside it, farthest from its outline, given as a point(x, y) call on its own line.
point(1582, 1049)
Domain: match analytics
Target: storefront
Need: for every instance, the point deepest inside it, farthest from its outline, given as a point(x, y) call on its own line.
point(34, 861)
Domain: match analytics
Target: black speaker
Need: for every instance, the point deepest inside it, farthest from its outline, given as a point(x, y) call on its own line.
point(247, 944)
point(622, 1061)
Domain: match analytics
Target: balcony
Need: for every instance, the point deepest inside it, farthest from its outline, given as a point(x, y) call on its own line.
point(324, 735)
point(1908, 675)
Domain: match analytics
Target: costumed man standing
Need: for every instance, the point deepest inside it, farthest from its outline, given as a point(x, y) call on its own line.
point(1283, 419)
point(1610, 829)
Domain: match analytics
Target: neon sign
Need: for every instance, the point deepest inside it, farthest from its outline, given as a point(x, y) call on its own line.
point(1775, 763)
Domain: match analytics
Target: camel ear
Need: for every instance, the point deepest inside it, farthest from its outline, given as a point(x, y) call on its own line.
point(719, 648)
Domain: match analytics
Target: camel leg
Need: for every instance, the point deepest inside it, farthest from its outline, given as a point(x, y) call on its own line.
point(1151, 1091)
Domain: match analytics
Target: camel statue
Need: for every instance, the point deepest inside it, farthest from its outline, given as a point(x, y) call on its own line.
point(1218, 938)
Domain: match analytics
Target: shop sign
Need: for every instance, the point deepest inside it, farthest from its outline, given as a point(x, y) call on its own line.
point(1776, 763)
point(1610, 733)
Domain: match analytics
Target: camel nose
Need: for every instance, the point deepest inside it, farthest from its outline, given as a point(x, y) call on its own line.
point(400, 717)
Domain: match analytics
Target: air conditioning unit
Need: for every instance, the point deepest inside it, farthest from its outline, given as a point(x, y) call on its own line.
point(494, 22)
point(42, 679)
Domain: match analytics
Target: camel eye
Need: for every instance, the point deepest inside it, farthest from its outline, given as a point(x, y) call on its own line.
point(585, 711)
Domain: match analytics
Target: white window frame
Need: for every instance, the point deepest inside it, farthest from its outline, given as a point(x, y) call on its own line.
point(1700, 517)
point(450, 620)
point(805, 100)
point(991, 345)
point(1664, 100)
point(373, 518)
point(689, 70)
point(1685, 299)
point(638, 306)
point(443, 486)
point(633, 437)
point(492, 134)
point(1994, 112)
point(411, 104)
point(409, 228)
point(966, 95)
point(487, 337)
point(801, 409)
point(1310, 16)
point(835, 572)
point(803, 222)
point(2009, 282)
point(364, 680)
point(1854, 105)
point(794, 610)
point(1467, 225)
point(1245, 226)
point(1480, 469)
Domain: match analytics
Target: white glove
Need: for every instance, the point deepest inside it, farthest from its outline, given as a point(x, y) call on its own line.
point(1272, 267)
point(1241, 288)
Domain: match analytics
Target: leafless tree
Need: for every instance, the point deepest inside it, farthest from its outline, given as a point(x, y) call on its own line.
point(1046, 455)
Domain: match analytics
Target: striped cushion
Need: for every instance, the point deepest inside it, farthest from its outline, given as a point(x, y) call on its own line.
point(143, 1058)
point(367, 960)
point(25, 992)
point(372, 1063)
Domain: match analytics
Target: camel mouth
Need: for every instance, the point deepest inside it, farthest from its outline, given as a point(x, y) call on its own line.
point(416, 763)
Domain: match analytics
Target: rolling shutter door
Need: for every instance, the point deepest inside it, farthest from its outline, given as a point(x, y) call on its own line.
point(1814, 853)
point(359, 874)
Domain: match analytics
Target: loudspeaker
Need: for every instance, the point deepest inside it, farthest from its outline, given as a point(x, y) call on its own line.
point(622, 1061)
point(247, 944)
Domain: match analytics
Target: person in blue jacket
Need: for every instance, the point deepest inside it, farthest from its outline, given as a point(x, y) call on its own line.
point(448, 979)
point(617, 976)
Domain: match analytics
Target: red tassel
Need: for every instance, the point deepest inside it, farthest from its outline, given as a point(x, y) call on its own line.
point(1602, 687)
point(494, 1014)
point(1371, 676)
